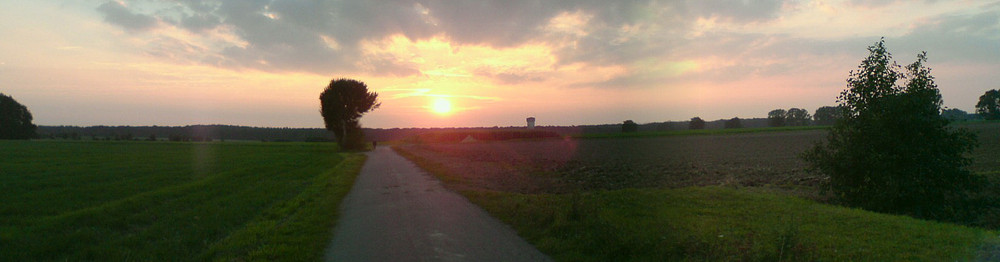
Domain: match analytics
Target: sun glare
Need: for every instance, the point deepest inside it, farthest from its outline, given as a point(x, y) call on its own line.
point(441, 106)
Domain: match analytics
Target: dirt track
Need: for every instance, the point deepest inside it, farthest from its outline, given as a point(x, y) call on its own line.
point(397, 212)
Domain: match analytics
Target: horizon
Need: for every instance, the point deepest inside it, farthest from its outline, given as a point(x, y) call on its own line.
point(465, 65)
point(364, 127)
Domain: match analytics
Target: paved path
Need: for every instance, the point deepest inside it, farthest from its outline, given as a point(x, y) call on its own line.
point(397, 212)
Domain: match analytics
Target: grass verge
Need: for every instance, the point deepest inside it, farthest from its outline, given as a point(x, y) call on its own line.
point(716, 224)
point(98, 200)
point(293, 230)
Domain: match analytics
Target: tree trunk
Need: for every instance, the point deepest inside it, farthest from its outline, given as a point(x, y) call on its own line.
point(343, 133)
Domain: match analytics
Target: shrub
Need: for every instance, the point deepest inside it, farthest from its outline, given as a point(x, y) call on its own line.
point(892, 151)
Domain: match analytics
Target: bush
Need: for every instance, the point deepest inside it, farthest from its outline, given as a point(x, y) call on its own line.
point(891, 150)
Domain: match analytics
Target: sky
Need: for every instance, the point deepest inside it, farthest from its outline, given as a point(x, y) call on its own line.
point(472, 63)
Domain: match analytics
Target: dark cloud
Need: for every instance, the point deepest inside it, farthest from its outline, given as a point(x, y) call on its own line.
point(873, 3)
point(737, 11)
point(200, 22)
point(973, 37)
point(882, 3)
point(495, 23)
point(117, 14)
point(747, 54)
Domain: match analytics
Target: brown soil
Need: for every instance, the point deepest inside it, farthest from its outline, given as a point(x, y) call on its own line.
point(561, 165)
point(566, 165)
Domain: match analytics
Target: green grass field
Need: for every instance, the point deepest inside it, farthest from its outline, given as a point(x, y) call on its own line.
point(723, 224)
point(87, 200)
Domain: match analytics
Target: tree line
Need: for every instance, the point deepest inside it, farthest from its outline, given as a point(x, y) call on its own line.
point(193, 133)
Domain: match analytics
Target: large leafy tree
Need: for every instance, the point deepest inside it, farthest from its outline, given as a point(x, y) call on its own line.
point(826, 115)
point(15, 119)
point(342, 103)
point(630, 126)
point(776, 117)
point(989, 105)
point(797, 117)
point(733, 123)
point(955, 114)
point(892, 151)
point(696, 123)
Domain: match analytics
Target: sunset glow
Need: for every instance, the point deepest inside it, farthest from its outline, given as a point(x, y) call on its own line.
point(441, 106)
point(454, 64)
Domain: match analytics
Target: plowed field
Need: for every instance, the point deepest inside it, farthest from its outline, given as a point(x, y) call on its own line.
point(564, 165)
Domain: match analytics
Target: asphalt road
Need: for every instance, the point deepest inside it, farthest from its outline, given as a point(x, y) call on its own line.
point(397, 212)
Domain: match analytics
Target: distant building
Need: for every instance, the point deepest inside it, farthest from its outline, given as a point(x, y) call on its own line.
point(531, 122)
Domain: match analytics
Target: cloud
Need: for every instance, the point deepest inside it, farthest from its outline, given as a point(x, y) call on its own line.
point(958, 37)
point(296, 35)
point(727, 40)
point(200, 22)
point(118, 14)
point(737, 11)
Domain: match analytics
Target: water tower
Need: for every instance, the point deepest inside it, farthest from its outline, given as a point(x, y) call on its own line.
point(531, 122)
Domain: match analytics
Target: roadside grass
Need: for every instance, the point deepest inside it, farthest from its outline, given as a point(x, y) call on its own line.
point(691, 132)
point(102, 200)
point(721, 224)
point(716, 224)
point(293, 230)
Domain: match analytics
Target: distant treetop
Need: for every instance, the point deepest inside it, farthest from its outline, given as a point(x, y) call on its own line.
point(15, 119)
point(989, 105)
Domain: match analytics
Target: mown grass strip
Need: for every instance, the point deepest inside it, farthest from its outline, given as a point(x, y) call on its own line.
point(721, 224)
point(163, 201)
point(293, 230)
point(717, 224)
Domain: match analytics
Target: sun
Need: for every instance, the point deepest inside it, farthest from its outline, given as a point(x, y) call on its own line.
point(441, 106)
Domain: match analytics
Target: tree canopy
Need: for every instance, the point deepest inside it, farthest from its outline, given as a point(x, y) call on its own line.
point(892, 151)
point(776, 117)
point(342, 103)
point(826, 115)
point(791, 117)
point(797, 117)
point(955, 114)
point(733, 123)
point(989, 105)
point(696, 123)
point(630, 126)
point(15, 119)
